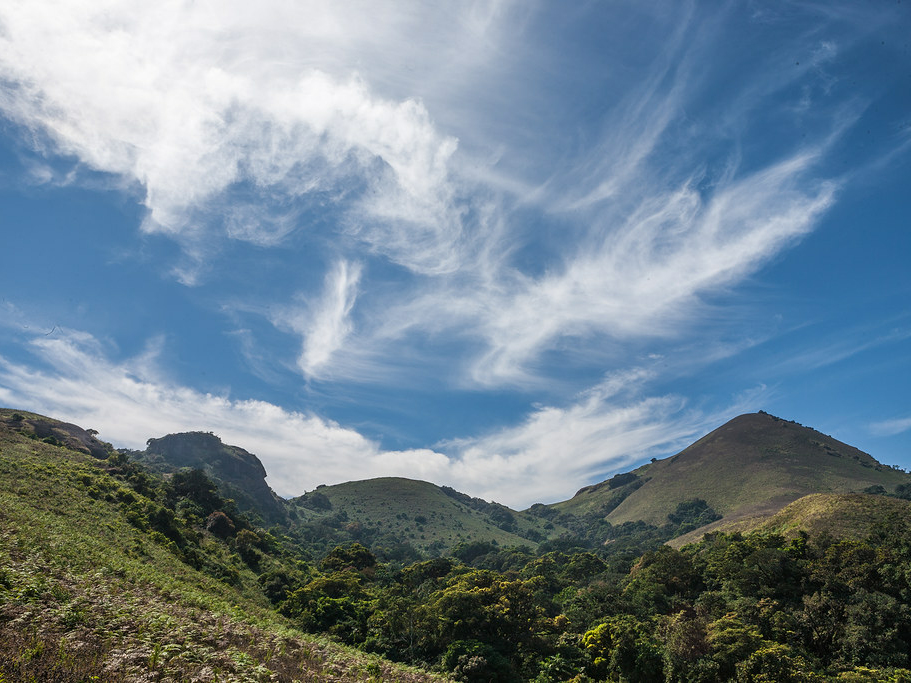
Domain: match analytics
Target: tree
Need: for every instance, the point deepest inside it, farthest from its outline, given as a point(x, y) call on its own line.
point(624, 646)
point(776, 663)
point(354, 556)
point(335, 604)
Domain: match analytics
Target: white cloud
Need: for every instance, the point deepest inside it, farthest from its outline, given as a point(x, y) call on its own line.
point(642, 278)
point(891, 427)
point(449, 142)
point(129, 402)
point(328, 323)
point(220, 113)
point(190, 101)
point(555, 450)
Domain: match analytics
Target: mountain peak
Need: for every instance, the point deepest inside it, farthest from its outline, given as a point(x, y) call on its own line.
point(752, 465)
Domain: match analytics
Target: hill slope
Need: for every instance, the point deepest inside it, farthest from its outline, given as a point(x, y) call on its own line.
point(90, 591)
point(838, 515)
point(752, 466)
point(431, 518)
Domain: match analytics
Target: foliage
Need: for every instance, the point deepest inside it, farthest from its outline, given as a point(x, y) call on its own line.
point(119, 572)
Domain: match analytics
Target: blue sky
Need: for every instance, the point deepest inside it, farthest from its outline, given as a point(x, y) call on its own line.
point(511, 247)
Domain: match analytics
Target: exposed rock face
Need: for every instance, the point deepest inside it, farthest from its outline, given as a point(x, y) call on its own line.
point(239, 474)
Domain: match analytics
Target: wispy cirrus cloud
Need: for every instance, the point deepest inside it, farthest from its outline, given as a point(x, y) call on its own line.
point(254, 122)
point(132, 400)
point(477, 197)
point(643, 277)
point(891, 427)
point(192, 103)
point(329, 322)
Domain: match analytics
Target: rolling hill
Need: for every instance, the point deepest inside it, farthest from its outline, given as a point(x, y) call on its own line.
point(386, 510)
point(111, 571)
point(746, 471)
point(431, 518)
point(750, 467)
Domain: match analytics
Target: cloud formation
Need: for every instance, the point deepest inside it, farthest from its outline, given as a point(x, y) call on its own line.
point(891, 427)
point(252, 123)
point(190, 102)
point(329, 322)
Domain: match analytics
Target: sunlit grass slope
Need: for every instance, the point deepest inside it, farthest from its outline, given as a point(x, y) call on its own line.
point(838, 515)
point(427, 517)
point(751, 466)
point(852, 516)
point(86, 594)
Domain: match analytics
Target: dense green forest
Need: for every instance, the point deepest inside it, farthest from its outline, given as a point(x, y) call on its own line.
point(601, 602)
point(752, 608)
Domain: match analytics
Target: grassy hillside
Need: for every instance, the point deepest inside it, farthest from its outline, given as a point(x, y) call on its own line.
point(838, 515)
point(109, 572)
point(853, 516)
point(752, 466)
point(383, 513)
point(430, 518)
point(89, 591)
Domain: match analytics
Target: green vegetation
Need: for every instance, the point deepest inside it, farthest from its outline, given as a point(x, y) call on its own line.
point(404, 519)
point(757, 607)
point(113, 571)
point(108, 573)
point(239, 474)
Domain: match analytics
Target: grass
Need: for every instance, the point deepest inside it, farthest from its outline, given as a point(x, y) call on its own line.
point(839, 515)
point(424, 515)
point(852, 516)
point(85, 595)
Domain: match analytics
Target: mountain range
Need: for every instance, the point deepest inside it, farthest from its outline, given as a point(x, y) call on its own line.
point(745, 471)
point(180, 562)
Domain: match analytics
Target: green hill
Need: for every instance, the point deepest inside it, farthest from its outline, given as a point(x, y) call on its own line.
point(384, 512)
point(845, 515)
point(750, 467)
point(100, 580)
point(430, 518)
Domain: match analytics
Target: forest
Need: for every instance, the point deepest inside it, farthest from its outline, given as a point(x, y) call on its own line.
point(757, 607)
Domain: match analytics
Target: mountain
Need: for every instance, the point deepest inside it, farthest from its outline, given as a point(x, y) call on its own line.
point(386, 511)
point(239, 474)
point(432, 519)
point(750, 467)
point(110, 571)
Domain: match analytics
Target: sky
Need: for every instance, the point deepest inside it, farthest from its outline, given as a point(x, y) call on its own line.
point(509, 247)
